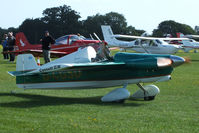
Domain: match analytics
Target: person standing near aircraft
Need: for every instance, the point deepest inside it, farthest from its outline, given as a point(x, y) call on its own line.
point(47, 40)
point(103, 53)
point(11, 44)
point(5, 47)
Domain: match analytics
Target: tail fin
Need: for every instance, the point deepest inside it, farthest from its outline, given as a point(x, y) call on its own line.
point(21, 41)
point(26, 62)
point(180, 35)
point(184, 42)
point(108, 34)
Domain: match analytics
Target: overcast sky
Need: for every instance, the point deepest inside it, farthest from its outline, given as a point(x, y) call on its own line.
point(142, 14)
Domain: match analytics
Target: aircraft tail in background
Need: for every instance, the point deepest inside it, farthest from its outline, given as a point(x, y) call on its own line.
point(111, 40)
point(180, 35)
point(23, 44)
point(26, 62)
point(21, 41)
point(108, 34)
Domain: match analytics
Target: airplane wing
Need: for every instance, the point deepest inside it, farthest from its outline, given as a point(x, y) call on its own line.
point(17, 73)
point(192, 36)
point(146, 38)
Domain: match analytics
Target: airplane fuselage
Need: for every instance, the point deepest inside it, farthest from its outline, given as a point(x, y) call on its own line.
point(146, 47)
point(100, 74)
point(64, 45)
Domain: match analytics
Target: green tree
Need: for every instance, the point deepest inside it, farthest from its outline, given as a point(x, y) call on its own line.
point(33, 29)
point(92, 24)
point(61, 20)
point(115, 20)
point(172, 27)
point(57, 20)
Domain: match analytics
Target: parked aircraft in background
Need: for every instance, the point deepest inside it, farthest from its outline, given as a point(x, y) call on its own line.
point(140, 44)
point(77, 70)
point(188, 44)
point(63, 45)
point(191, 36)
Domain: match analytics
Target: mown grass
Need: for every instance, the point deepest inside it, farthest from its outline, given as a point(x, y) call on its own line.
point(175, 109)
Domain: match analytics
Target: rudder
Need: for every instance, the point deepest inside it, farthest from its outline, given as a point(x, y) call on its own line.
point(26, 62)
point(108, 34)
point(21, 41)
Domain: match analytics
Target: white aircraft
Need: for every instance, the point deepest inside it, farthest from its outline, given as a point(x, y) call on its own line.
point(188, 44)
point(141, 44)
point(191, 36)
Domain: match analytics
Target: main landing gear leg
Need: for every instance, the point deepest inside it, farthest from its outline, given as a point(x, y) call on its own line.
point(146, 98)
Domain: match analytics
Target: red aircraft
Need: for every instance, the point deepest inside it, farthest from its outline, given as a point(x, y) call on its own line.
point(63, 45)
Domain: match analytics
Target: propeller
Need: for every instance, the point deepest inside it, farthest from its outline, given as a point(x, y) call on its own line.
point(187, 59)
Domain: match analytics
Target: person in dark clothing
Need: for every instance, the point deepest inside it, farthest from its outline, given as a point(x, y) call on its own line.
point(47, 40)
point(11, 44)
point(5, 46)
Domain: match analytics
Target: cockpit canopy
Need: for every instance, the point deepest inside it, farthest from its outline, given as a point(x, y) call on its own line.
point(68, 39)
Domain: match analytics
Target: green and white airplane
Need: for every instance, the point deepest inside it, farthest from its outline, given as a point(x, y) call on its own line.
point(79, 70)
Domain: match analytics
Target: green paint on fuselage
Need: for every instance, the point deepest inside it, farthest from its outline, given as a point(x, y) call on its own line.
point(94, 74)
point(117, 70)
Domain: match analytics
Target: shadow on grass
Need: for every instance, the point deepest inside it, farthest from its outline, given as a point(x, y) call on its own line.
point(195, 60)
point(7, 62)
point(41, 100)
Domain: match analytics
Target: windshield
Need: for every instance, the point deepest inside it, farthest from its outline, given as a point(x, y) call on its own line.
point(72, 38)
point(158, 41)
point(62, 40)
point(75, 37)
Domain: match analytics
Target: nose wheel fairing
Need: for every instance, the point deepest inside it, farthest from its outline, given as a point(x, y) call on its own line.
point(147, 92)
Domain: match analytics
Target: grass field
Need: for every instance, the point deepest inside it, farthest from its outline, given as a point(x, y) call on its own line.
point(175, 109)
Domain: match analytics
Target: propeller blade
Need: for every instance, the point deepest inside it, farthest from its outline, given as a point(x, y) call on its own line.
point(187, 59)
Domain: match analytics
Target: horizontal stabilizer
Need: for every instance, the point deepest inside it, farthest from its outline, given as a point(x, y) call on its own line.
point(17, 73)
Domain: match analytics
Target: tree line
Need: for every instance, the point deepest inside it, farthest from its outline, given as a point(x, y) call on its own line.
point(63, 20)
